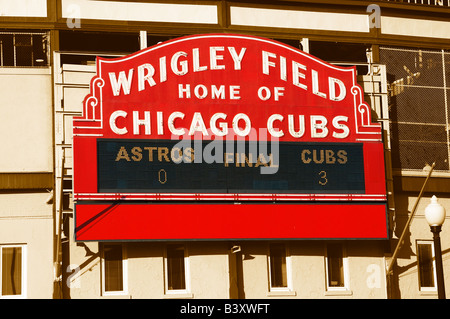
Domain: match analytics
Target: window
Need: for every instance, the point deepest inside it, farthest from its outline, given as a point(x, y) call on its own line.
point(336, 267)
point(425, 261)
point(278, 275)
point(114, 269)
point(279, 268)
point(13, 278)
point(22, 49)
point(98, 42)
point(176, 265)
point(341, 53)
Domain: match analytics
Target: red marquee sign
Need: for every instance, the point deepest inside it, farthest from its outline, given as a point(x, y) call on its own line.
point(174, 136)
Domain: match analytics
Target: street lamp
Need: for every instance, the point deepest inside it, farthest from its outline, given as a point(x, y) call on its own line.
point(435, 216)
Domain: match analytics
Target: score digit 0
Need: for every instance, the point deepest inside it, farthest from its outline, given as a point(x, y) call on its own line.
point(162, 176)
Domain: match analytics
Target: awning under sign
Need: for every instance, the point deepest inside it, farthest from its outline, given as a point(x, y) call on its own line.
point(122, 221)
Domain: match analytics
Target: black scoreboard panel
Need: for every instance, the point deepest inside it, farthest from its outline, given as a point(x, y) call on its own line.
point(196, 166)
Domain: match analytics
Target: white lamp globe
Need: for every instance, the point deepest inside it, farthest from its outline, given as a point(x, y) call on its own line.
point(435, 212)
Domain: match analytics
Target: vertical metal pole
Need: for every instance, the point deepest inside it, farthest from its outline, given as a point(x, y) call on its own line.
point(438, 259)
point(305, 44)
point(15, 49)
point(59, 213)
point(143, 39)
point(446, 106)
point(32, 52)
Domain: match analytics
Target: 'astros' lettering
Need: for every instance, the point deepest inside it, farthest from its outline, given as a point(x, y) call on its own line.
point(156, 154)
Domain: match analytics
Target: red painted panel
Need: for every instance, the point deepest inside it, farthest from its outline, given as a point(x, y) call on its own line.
point(374, 168)
point(122, 221)
point(85, 165)
point(231, 74)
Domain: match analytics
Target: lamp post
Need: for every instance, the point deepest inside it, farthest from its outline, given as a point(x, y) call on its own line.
point(435, 216)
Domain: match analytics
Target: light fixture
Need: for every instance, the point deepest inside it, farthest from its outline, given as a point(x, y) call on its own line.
point(435, 213)
point(435, 216)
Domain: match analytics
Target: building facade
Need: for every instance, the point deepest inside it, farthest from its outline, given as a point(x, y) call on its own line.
point(48, 56)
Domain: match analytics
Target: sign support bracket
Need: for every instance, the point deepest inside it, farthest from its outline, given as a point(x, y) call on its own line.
point(400, 241)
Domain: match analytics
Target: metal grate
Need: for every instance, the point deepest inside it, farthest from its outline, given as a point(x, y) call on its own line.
point(419, 108)
point(23, 49)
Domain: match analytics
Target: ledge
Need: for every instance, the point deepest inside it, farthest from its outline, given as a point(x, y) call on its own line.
point(35, 70)
point(27, 180)
point(428, 293)
point(338, 293)
point(116, 296)
point(179, 296)
point(281, 293)
point(436, 184)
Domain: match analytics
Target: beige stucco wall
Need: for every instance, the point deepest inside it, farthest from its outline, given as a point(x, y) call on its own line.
point(26, 121)
point(209, 270)
point(408, 279)
point(365, 261)
point(26, 219)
